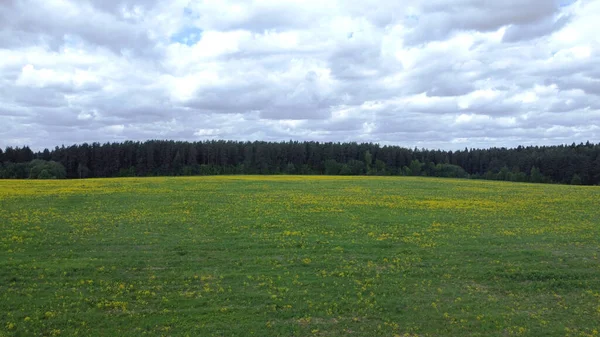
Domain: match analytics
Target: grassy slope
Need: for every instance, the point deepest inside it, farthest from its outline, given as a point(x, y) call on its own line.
point(301, 256)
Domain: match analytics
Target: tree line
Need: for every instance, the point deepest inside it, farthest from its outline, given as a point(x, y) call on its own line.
point(566, 164)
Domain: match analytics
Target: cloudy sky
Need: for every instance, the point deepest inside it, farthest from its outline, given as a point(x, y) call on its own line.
point(429, 73)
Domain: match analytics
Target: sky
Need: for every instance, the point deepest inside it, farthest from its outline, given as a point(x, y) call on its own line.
point(437, 74)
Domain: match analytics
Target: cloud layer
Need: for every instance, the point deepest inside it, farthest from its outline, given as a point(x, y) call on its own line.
point(436, 73)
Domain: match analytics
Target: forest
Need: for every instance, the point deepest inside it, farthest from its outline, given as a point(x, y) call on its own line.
point(577, 164)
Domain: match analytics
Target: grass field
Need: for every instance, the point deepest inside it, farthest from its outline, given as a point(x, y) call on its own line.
point(298, 256)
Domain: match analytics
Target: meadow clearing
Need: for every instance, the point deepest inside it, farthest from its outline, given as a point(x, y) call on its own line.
point(298, 256)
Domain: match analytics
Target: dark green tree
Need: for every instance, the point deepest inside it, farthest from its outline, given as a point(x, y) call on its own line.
point(332, 167)
point(535, 176)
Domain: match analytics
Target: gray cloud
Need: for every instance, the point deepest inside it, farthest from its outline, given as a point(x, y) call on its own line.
point(439, 19)
point(521, 32)
point(434, 73)
point(42, 22)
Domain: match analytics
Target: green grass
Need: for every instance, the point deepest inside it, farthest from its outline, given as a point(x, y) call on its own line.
point(298, 256)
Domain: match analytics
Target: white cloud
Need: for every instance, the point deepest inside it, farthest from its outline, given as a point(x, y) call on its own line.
point(115, 129)
point(434, 73)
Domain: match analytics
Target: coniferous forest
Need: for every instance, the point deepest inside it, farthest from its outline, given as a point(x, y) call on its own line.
point(565, 164)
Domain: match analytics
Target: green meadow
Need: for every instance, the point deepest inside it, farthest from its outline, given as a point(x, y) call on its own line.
point(298, 256)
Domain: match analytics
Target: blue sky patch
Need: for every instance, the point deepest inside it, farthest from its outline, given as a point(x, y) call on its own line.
point(188, 35)
point(565, 3)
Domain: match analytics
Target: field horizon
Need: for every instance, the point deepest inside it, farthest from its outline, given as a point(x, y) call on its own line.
point(281, 255)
